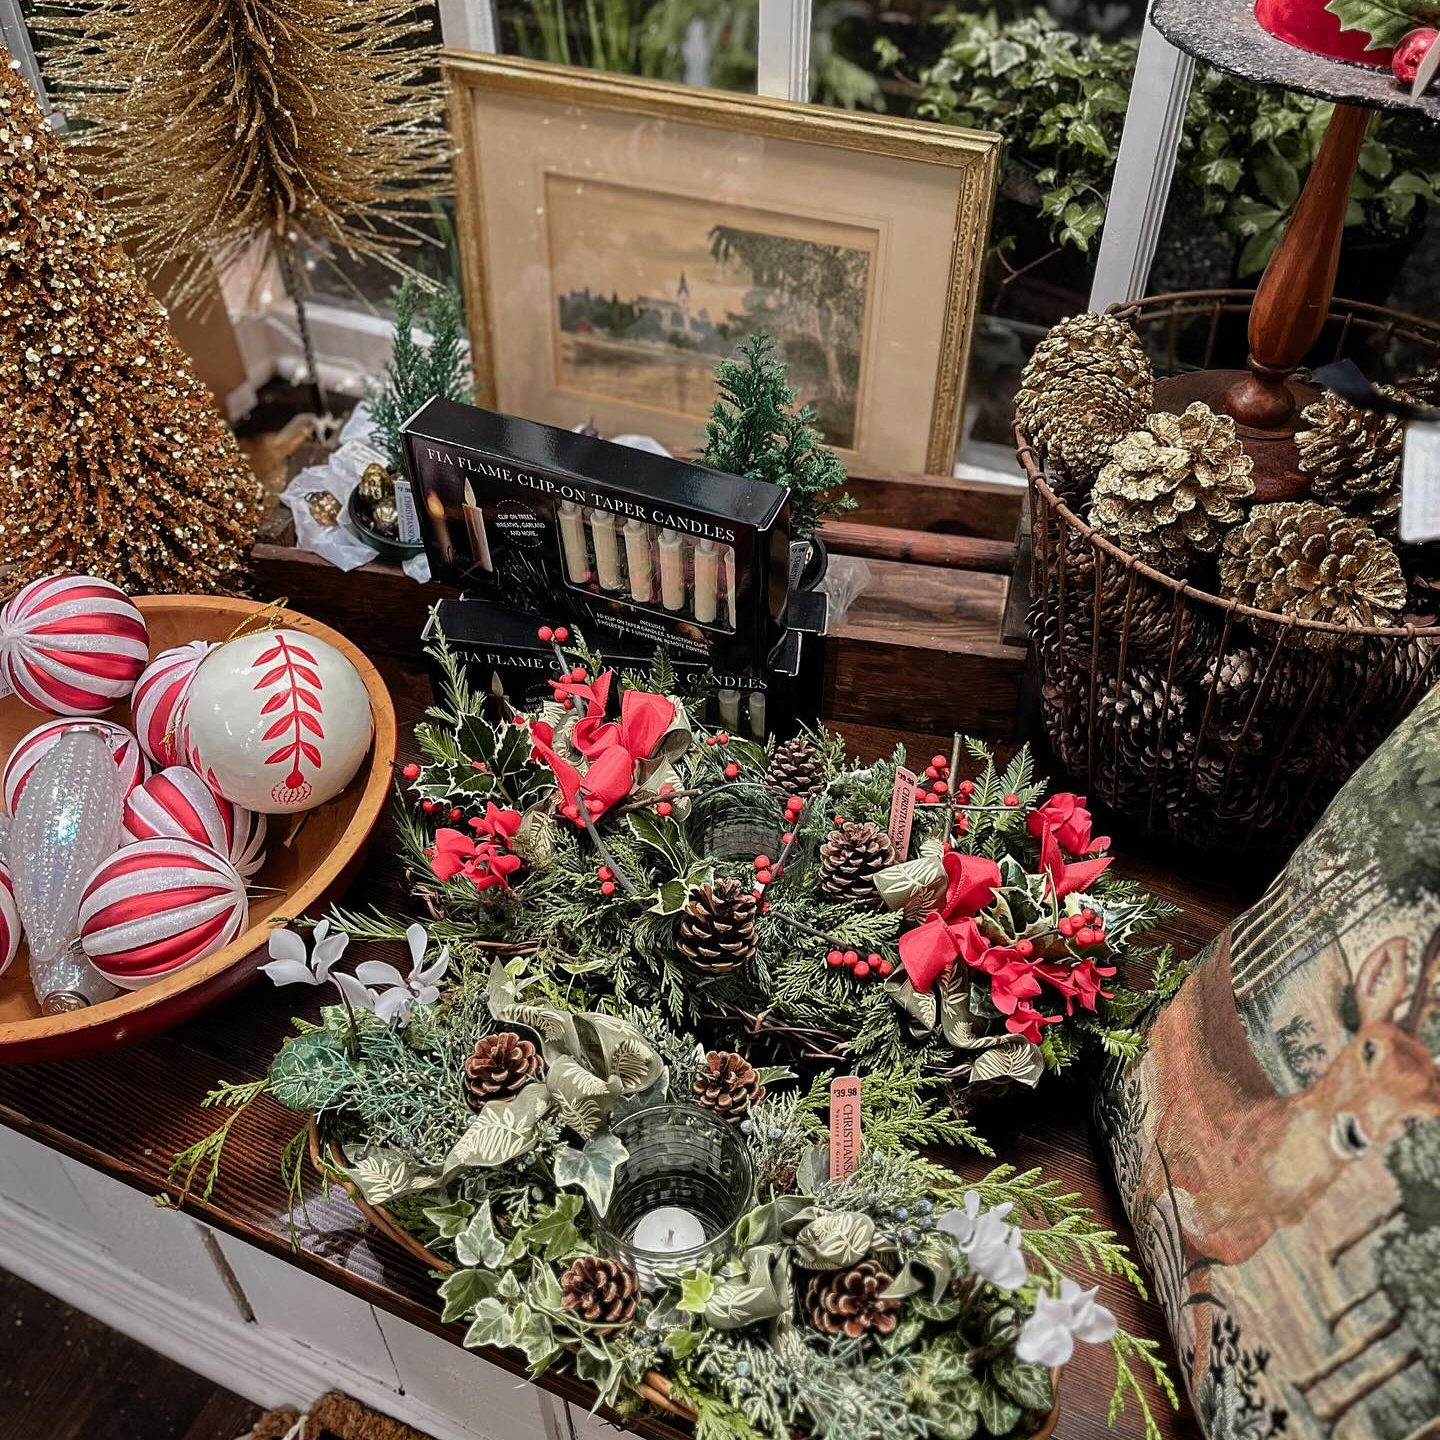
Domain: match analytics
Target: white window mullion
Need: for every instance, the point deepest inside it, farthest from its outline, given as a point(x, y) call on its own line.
point(1143, 169)
point(469, 25)
point(17, 40)
point(784, 59)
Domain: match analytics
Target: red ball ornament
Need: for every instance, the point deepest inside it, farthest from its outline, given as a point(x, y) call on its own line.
point(158, 906)
point(72, 644)
point(178, 803)
point(123, 746)
point(9, 921)
point(1405, 62)
point(157, 697)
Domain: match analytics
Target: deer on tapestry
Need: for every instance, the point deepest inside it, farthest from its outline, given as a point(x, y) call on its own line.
point(1244, 1160)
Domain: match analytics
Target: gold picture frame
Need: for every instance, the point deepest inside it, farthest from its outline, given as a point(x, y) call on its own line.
point(591, 180)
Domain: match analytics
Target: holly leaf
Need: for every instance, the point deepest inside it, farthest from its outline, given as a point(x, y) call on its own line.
point(1385, 22)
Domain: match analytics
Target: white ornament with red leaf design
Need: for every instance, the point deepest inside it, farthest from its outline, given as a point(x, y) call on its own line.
point(178, 802)
point(278, 721)
point(123, 746)
point(9, 920)
point(157, 906)
point(72, 644)
point(157, 697)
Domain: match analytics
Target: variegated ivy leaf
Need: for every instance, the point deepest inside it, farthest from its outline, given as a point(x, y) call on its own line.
point(1017, 1061)
point(478, 1244)
point(695, 1292)
point(450, 1219)
point(502, 1131)
point(463, 1290)
point(593, 1169)
point(383, 1174)
point(491, 1325)
point(835, 1241)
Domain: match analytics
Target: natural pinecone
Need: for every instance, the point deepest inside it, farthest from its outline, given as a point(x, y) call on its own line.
point(851, 1302)
point(1353, 456)
point(795, 769)
point(849, 856)
point(727, 1084)
point(1313, 562)
point(1088, 383)
point(1130, 711)
point(500, 1067)
point(600, 1290)
point(716, 931)
point(1170, 490)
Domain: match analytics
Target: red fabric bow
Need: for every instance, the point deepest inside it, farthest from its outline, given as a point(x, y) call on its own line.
point(612, 747)
point(949, 932)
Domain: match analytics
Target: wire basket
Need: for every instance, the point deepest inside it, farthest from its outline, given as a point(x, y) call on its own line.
point(1196, 717)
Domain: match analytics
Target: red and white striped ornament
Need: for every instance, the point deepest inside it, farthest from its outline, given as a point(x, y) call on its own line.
point(157, 906)
point(158, 692)
point(9, 920)
point(124, 748)
point(178, 802)
point(72, 644)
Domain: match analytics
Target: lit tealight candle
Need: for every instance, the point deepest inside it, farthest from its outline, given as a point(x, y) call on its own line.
point(668, 1230)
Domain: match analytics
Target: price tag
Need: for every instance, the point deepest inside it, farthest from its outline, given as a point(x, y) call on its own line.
point(902, 812)
point(407, 517)
point(844, 1125)
point(1420, 484)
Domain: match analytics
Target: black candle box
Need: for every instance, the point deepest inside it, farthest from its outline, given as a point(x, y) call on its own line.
point(623, 544)
point(502, 655)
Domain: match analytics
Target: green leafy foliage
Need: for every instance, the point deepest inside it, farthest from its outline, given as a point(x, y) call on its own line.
point(416, 373)
point(1059, 98)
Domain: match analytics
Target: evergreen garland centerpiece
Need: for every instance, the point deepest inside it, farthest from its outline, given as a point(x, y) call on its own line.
point(895, 1300)
point(627, 853)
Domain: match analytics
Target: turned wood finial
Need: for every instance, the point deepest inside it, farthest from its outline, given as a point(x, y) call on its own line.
point(1294, 294)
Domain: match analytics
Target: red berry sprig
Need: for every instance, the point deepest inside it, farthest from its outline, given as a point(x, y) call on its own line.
point(861, 968)
point(934, 784)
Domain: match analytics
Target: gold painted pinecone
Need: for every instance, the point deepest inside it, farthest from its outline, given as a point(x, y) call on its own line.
point(851, 1302)
point(1171, 489)
point(795, 769)
point(849, 856)
point(1087, 384)
point(716, 930)
point(1314, 562)
point(500, 1067)
point(601, 1291)
point(727, 1084)
point(1352, 457)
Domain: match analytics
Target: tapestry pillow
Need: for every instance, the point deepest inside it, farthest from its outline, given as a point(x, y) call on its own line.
point(1278, 1144)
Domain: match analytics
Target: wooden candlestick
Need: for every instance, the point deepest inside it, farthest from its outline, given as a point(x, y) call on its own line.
point(1295, 291)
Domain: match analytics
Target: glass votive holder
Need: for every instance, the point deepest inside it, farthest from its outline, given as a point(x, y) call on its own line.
point(679, 1194)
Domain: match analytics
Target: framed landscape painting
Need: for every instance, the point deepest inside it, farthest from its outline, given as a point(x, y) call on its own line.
point(621, 237)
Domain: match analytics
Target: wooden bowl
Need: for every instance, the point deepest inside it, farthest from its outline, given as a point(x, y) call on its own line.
point(311, 869)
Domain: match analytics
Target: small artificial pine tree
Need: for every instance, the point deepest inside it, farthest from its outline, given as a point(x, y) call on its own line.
point(114, 460)
point(416, 373)
point(755, 430)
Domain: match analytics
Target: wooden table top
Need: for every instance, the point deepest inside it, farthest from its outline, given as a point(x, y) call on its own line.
point(129, 1111)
